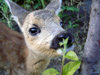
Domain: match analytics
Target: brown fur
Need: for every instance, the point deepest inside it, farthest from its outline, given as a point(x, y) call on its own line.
point(15, 56)
point(12, 52)
point(40, 48)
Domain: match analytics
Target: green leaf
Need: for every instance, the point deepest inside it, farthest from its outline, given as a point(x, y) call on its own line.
point(71, 8)
point(36, 6)
point(70, 23)
point(5, 9)
point(75, 25)
point(72, 56)
point(43, 3)
point(71, 67)
point(66, 41)
point(50, 71)
point(61, 44)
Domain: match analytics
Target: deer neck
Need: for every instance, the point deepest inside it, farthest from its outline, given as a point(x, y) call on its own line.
point(36, 63)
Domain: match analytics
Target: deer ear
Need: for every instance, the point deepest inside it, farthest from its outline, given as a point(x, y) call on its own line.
point(18, 13)
point(54, 6)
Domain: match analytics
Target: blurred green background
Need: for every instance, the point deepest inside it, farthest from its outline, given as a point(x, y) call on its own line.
point(68, 16)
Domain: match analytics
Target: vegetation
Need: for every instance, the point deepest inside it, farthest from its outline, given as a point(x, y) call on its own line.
point(5, 16)
point(70, 67)
point(69, 6)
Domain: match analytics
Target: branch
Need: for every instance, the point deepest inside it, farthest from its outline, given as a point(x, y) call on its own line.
point(91, 56)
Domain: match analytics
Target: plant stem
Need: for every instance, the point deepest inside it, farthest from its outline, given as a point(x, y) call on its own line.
point(63, 59)
point(64, 52)
point(43, 3)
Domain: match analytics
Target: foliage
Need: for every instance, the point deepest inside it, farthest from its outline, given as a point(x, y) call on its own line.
point(69, 68)
point(72, 25)
point(27, 4)
point(4, 12)
point(43, 3)
point(69, 6)
point(67, 17)
point(51, 71)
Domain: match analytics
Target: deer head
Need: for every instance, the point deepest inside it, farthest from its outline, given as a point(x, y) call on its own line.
point(41, 28)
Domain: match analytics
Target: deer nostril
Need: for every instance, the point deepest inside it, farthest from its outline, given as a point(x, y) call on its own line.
point(62, 37)
point(59, 38)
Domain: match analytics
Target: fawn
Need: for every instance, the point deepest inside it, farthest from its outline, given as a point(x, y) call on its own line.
point(42, 34)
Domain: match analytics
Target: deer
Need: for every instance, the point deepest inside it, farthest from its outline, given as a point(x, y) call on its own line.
point(30, 53)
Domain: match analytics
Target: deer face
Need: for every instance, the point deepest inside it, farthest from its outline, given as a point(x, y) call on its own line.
point(41, 28)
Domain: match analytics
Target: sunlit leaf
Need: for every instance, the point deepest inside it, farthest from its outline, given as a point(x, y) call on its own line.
point(71, 67)
point(50, 71)
point(72, 56)
point(71, 8)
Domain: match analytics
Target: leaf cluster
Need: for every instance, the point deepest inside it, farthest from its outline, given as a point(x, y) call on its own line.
point(68, 69)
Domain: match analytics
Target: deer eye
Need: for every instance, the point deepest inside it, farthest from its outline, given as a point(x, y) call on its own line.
point(34, 31)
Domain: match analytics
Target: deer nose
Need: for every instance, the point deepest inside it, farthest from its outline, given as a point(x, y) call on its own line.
point(59, 38)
